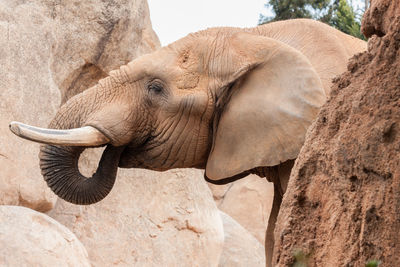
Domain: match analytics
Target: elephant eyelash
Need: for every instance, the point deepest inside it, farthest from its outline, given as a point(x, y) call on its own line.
point(155, 86)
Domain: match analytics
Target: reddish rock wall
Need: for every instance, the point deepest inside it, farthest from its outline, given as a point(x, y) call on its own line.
point(342, 207)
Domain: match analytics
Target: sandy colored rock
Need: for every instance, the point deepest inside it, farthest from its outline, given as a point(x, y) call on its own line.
point(95, 37)
point(248, 201)
point(28, 94)
point(240, 247)
point(341, 206)
point(48, 47)
point(31, 238)
point(149, 219)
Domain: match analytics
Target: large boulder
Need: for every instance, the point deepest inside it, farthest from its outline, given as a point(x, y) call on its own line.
point(240, 247)
point(49, 51)
point(30, 238)
point(95, 37)
point(149, 219)
point(28, 94)
point(248, 201)
point(342, 203)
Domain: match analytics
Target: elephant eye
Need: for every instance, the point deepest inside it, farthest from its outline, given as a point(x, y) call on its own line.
point(155, 86)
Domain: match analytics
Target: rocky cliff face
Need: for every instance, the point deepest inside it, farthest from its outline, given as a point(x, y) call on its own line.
point(342, 204)
point(378, 19)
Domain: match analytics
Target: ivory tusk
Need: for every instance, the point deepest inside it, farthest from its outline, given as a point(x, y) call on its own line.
point(84, 136)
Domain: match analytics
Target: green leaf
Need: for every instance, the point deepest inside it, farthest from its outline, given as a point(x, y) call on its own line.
point(373, 263)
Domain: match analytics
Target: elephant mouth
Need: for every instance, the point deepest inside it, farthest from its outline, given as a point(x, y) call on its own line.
point(129, 156)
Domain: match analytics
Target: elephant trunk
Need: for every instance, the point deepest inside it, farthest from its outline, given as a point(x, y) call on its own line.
point(78, 125)
point(60, 170)
point(59, 159)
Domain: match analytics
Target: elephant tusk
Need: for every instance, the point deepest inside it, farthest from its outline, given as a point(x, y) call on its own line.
point(84, 136)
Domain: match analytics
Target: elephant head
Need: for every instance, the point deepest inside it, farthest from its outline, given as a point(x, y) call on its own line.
point(224, 100)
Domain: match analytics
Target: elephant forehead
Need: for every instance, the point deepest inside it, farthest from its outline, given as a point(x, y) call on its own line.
point(188, 80)
point(154, 64)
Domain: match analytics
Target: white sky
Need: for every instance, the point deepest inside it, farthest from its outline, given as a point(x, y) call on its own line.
point(174, 19)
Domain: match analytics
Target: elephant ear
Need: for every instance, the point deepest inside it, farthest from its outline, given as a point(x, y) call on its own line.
point(274, 95)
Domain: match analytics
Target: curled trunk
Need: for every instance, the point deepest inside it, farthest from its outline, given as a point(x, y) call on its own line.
point(59, 164)
point(75, 127)
point(60, 170)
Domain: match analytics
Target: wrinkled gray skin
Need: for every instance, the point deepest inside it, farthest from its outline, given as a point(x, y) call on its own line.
point(168, 109)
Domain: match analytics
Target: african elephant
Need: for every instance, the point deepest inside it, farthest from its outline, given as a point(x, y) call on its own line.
point(228, 100)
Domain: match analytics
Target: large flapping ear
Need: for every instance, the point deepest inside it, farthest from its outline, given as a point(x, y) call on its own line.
point(275, 95)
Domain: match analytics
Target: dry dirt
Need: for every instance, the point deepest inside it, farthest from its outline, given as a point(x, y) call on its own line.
point(342, 207)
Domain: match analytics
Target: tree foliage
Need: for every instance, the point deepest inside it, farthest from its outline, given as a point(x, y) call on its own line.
point(345, 19)
point(337, 13)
